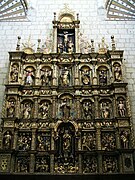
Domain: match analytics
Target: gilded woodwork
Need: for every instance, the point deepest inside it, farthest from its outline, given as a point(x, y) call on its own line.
point(66, 108)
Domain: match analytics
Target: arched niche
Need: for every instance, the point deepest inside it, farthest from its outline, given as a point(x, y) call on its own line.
point(65, 142)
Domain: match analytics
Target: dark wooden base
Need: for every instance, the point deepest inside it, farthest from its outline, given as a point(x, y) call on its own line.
point(68, 177)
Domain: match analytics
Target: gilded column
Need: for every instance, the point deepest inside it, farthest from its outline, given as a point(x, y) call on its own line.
point(33, 141)
point(32, 163)
point(15, 140)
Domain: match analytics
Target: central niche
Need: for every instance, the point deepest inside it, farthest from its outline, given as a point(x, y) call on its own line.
point(66, 40)
point(65, 148)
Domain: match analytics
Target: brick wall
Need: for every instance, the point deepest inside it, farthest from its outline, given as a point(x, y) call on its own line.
point(93, 24)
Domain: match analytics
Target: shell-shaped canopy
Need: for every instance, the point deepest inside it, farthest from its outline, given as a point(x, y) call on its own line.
point(13, 10)
point(120, 9)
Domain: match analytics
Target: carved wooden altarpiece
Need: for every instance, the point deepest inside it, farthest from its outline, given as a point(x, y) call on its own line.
point(66, 108)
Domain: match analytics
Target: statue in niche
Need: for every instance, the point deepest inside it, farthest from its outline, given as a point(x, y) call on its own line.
point(87, 110)
point(44, 109)
point(65, 77)
point(125, 139)
point(88, 141)
point(65, 107)
point(117, 73)
point(27, 110)
point(11, 108)
point(7, 140)
point(121, 108)
point(105, 110)
point(66, 141)
point(103, 77)
point(41, 165)
point(109, 164)
point(85, 76)
point(65, 42)
point(46, 77)
point(23, 164)
point(65, 146)
point(14, 73)
point(29, 77)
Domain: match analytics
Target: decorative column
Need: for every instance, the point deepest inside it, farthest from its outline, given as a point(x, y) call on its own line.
point(32, 163)
point(77, 43)
point(55, 75)
point(54, 50)
point(33, 141)
point(15, 140)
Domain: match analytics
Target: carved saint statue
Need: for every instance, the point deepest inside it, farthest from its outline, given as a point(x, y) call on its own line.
point(44, 110)
point(27, 111)
point(65, 107)
point(105, 110)
point(7, 140)
point(85, 75)
point(46, 77)
point(29, 77)
point(65, 77)
point(102, 77)
point(87, 110)
point(11, 108)
point(117, 73)
point(14, 73)
point(121, 109)
point(125, 139)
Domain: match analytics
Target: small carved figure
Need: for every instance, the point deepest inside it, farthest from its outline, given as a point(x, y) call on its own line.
point(11, 108)
point(27, 111)
point(7, 140)
point(121, 109)
point(29, 77)
point(117, 73)
point(90, 165)
point(85, 77)
point(87, 109)
point(42, 165)
point(70, 46)
point(14, 73)
point(43, 142)
point(102, 77)
point(23, 164)
point(125, 139)
point(46, 77)
point(66, 141)
point(65, 108)
point(44, 109)
point(109, 165)
point(105, 110)
point(65, 77)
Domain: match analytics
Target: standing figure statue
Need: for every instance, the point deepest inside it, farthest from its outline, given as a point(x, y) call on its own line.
point(117, 73)
point(105, 110)
point(27, 111)
point(121, 109)
point(87, 110)
point(11, 109)
point(29, 77)
point(14, 73)
point(85, 77)
point(7, 140)
point(44, 110)
point(65, 77)
point(46, 77)
point(65, 108)
point(103, 77)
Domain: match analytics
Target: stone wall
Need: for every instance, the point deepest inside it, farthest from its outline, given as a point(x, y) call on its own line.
point(94, 25)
